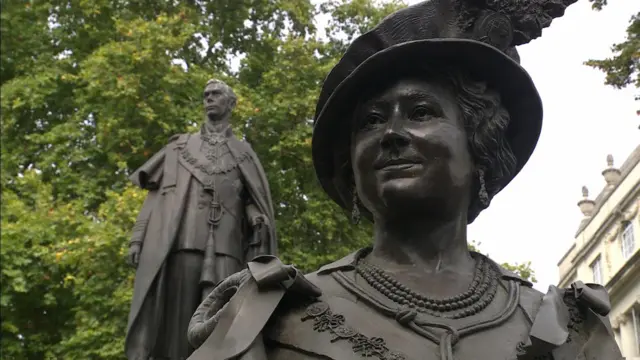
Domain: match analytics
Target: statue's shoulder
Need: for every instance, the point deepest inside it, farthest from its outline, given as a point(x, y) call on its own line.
point(280, 300)
point(530, 300)
point(294, 309)
point(324, 280)
point(243, 146)
point(260, 289)
point(337, 325)
point(149, 175)
point(566, 322)
point(572, 322)
point(313, 325)
point(180, 138)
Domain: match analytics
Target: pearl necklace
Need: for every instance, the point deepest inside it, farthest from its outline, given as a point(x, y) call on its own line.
point(476, 298)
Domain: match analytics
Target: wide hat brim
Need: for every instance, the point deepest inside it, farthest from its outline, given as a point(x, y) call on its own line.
point(481, 61)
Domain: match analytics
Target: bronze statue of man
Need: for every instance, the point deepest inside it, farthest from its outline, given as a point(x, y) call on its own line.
point(208, 212)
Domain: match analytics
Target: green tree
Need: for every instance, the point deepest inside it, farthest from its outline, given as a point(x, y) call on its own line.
point(90, 89)
point(524, 270)
point(623, 68)
point(36, 303)
point(65, 293)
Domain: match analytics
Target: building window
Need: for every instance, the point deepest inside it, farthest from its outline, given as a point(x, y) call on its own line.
point(596, 269)
point(628, 240)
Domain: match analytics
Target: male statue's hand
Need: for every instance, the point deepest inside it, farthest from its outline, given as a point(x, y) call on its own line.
point(134, 254)
point(257, 220)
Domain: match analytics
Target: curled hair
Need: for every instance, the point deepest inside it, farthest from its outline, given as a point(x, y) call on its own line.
point(486, 121)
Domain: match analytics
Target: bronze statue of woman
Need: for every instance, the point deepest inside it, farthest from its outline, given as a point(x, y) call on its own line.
point(423, 121)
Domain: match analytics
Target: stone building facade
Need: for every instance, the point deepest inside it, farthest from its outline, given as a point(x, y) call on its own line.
point(606, 248)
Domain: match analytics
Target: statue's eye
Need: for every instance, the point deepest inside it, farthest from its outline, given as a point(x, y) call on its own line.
point(422, 113)
point(371, 120)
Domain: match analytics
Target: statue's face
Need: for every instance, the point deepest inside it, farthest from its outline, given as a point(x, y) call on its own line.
point(409, 151)
point(216, 100)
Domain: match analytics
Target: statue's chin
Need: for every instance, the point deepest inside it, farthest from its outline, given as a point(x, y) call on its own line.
point(406, 198)
point(214, 116)
point(399, 190)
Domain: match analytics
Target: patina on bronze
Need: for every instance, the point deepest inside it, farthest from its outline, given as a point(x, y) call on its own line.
point(422, 122)
point(208, 212)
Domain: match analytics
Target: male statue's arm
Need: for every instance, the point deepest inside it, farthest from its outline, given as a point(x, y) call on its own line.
point(254, 215)
point(149, 177)
point(257, 243)
point(140, 228)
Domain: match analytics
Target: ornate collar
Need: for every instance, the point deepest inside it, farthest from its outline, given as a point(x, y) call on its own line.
point(206, 131)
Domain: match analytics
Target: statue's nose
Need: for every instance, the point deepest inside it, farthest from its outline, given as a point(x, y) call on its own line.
point(395, 136)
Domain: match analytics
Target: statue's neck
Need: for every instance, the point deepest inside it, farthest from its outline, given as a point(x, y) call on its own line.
point(217, 127)
point(429, 257)
point(431, 245)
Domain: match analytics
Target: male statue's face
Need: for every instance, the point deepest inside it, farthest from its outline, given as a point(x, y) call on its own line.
point(216, 101)
point(409, 151)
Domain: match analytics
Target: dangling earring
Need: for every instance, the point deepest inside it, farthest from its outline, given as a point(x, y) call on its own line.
point(355, 210)
point(483, 196)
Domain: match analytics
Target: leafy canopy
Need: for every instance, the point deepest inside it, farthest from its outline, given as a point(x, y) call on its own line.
point(622, 69)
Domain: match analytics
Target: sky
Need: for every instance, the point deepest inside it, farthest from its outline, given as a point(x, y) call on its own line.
point(536, 216)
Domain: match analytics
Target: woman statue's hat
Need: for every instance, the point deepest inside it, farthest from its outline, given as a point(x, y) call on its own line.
point(478, 36)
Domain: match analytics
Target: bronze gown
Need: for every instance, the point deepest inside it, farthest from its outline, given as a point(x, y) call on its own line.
point(351, 320)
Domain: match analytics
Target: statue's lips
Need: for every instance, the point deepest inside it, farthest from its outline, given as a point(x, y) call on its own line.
point(396, 164)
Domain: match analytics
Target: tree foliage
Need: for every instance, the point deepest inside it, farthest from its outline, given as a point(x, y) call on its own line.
point(623, 68)
point(91, 89)
point(523, 270)
point(65, 293)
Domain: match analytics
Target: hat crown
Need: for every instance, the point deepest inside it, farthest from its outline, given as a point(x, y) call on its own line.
point(502, 24)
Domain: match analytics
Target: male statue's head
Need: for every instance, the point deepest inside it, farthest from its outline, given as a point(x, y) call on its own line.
point(219, 101)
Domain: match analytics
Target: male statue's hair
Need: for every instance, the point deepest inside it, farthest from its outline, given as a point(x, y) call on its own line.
point(226, 88)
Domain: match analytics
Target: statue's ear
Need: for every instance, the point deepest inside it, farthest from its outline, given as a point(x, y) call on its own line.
point(232, 104)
